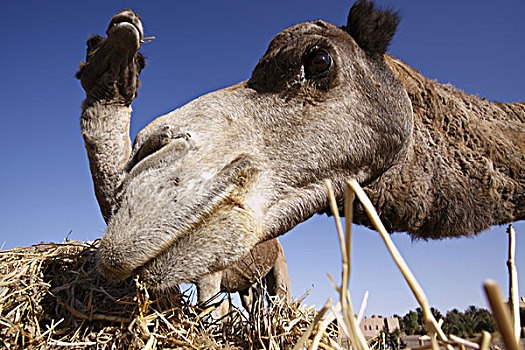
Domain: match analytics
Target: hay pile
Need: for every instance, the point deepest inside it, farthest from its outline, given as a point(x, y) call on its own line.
point(51, 296)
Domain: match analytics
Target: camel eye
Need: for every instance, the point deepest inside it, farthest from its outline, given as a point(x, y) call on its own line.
point(317, 62)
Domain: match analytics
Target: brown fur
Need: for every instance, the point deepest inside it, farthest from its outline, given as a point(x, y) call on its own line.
point(263, 265)
point(465, 171)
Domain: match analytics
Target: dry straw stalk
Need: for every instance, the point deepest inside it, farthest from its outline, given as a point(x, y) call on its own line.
point(501, 314)
point(433, 326)
point(418, 292)
point(513, 283)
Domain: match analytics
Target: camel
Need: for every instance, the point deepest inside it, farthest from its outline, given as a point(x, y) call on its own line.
point(265, 263)
point(202, 185)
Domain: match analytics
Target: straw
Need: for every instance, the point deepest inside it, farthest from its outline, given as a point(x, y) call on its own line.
point(51, 296)
point(501, 314)
point(356, 337)
point(400, 262)
point(513, 284)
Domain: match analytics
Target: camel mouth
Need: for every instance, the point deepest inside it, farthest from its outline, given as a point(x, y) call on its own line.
point(192, 227)
point(112, 269)
point(127, 25)
point(127, 18)
point(167, 268)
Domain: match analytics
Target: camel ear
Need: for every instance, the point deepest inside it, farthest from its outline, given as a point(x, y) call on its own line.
point(371, 28)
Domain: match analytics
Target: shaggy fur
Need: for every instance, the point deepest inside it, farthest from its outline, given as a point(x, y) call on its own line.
point(465, 170)
point(207, 182)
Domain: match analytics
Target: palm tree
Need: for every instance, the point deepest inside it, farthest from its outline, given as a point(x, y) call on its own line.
point(409, 323)
point(454, 323)
point(485, 322)
point(471, 319)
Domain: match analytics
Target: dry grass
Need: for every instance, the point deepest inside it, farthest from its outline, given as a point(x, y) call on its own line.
point(51, 296)
point(438, 339)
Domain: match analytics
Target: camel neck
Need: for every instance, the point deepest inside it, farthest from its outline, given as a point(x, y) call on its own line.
point(465, 168)
point(105, 129)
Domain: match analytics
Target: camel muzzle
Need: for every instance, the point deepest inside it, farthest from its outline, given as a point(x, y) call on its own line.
point(174, 217)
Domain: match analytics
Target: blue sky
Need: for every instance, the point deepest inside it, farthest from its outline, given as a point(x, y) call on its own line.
point(202, 46)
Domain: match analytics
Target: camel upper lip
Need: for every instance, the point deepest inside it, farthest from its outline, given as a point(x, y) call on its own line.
point(182, 218)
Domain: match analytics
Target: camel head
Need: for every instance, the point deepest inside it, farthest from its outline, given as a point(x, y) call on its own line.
point(206, 182)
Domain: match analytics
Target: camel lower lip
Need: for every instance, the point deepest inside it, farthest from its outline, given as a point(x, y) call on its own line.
point(115, 270)
point(208, 242)
point(133, 243)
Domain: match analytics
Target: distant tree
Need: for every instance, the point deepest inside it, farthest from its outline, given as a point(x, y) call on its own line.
point(421, 327)
point(485, 322)
point(471, 319)
point(478, 320)
point(437, 315)
point(454, 323)
point(408, 323)
point(465, 324)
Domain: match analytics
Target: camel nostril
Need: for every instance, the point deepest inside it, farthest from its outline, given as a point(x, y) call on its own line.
point(157, 140)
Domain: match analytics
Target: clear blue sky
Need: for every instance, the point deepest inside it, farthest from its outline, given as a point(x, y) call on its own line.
point(45, 184)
